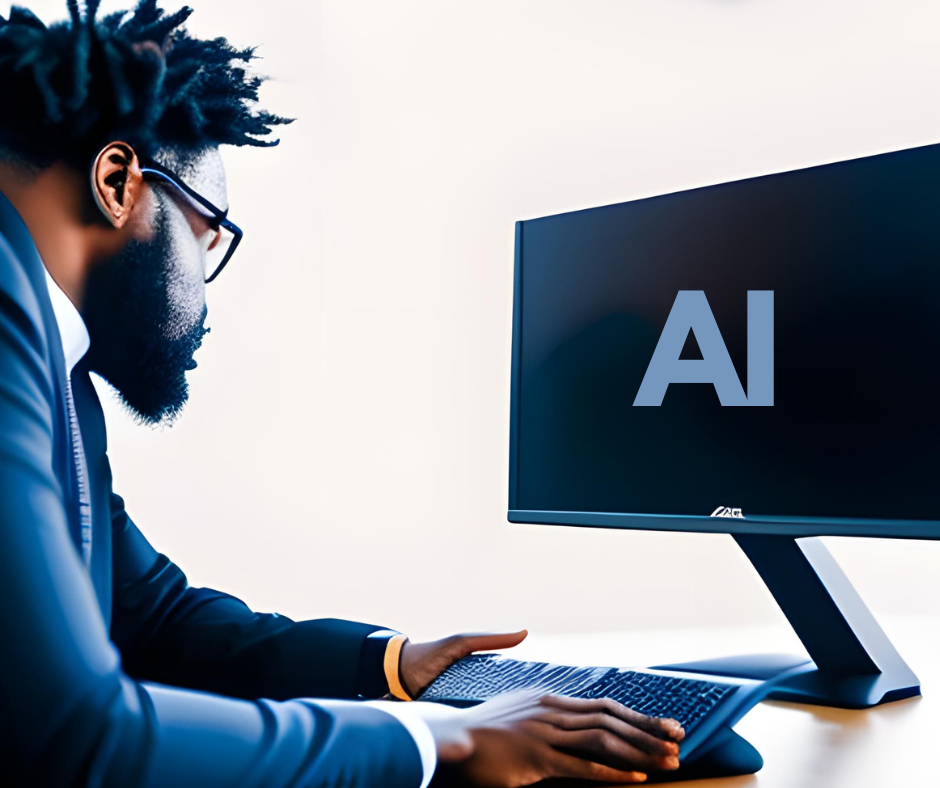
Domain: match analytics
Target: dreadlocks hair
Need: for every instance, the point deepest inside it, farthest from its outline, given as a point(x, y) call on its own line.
point(70, 88)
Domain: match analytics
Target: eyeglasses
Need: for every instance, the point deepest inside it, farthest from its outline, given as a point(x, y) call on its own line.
point(229, 235)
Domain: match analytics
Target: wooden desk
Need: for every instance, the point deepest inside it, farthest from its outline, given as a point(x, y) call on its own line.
point(802, 746)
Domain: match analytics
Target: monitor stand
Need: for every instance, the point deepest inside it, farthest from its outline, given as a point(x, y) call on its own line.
point(852, 663)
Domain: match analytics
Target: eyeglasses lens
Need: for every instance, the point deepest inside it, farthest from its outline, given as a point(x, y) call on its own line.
point(218, 250)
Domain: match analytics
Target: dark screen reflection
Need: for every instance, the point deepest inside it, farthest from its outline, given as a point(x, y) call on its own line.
point(852, 253)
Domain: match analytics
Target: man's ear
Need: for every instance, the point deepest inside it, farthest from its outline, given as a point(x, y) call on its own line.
point(116, 182)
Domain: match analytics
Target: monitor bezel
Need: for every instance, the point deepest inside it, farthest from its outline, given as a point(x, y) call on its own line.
point(749, 523)
point(797, 527)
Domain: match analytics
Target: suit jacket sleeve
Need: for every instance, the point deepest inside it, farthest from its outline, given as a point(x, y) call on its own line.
point(170, 632)
point(69, 714)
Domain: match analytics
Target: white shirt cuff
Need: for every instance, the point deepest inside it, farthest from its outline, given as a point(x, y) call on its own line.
point(419, 731)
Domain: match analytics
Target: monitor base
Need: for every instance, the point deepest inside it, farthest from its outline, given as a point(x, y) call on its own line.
point(797, 680)
point(852, 664)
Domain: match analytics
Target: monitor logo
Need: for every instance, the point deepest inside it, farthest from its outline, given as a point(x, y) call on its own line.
point(691, 312)
point(725, 511)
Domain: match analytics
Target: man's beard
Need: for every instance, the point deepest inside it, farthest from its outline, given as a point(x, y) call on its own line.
point(140, 342)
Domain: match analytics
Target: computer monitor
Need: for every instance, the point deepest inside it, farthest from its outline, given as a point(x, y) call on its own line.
point(806, 305)
point(758, 358)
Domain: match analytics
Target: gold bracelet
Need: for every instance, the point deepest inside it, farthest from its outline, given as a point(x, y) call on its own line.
point(392, 664)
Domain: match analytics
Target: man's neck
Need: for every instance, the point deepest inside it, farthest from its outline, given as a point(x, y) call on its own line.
point(50, 203)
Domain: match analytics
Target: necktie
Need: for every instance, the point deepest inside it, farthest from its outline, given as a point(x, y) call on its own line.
point(81, 470)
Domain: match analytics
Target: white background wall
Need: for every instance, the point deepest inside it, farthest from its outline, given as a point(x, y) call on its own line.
point(345, 449)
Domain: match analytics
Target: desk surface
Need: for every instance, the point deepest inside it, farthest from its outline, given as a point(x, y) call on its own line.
point(802, 746)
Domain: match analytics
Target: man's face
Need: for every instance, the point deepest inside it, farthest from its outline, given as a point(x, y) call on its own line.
point(145, 308)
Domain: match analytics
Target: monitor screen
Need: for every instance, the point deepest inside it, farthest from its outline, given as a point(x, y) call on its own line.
point(762, 349)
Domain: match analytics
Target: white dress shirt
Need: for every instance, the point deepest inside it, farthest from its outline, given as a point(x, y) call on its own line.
point(75, 344)
point(409, 715)
point(75, 341)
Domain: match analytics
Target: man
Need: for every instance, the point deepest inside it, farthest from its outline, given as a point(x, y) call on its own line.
point(113, 671)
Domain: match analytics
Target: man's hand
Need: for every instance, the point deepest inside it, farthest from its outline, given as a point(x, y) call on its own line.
point(565, 738)
point(421, 663)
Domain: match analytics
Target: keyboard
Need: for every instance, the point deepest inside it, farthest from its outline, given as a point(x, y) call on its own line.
point(483, 676)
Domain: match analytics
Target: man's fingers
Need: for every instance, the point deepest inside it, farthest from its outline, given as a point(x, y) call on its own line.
point(571, 721)
point(568, 766)
point(484, 641)
point(660, 728)
point(602, 746)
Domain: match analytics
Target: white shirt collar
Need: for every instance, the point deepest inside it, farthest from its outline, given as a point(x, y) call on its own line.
point(75, 340)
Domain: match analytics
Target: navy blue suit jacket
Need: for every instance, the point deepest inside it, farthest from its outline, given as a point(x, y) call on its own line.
point(106, 672)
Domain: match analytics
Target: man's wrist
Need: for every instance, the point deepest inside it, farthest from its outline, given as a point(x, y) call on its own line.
point(392, 666)
point(371, 680)
point(379, 671)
